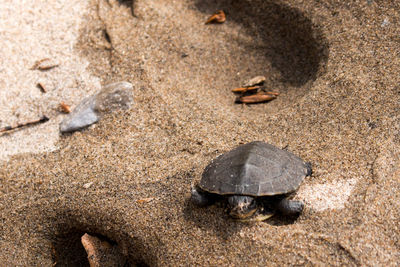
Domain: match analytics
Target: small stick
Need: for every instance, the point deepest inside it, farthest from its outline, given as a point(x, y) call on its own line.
point(9, 128)
point(38, 62)
point(217, 17)
point(41, 87)
point(40, 66)
point(47, 67)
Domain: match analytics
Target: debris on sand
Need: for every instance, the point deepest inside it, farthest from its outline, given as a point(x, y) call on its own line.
point(218, 17)
point(112, 97)
point(101, 252)
point(254, 92)
point(44, 64)
point(42, 87)
point(258, 80)
point(20, 125)
point(65, 108)
point(87, 185)
point(241, 90)
point(145, 200)
point(257, 98)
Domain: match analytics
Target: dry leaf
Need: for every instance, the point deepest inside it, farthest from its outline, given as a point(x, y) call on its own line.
point(257, 98)
point(241, 90)
point(217, 17)
point(65, 108)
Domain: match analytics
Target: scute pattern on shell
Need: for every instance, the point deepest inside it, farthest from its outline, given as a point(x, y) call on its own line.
point(255, 169)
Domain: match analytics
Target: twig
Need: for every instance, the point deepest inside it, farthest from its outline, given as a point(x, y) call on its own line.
point(41, 87)
point(44, 64)
point(19, 125)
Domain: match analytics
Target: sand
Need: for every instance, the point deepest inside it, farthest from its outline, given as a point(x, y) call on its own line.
point(335, 65)
point(30, 32)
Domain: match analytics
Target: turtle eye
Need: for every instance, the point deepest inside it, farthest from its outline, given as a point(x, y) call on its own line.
point(252, 203)
point(249, 201)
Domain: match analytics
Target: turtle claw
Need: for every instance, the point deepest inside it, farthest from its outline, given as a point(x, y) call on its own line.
point(263, 217)
point(259, 216)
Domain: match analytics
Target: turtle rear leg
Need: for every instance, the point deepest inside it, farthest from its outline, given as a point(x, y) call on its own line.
point(201, 198)
point(290, 207)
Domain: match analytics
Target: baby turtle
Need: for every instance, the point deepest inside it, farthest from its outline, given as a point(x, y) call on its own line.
point(252, 177)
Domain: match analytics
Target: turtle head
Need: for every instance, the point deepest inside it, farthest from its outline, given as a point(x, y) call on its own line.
point(242, 207)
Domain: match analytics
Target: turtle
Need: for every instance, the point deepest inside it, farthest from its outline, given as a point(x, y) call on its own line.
point(252, 177)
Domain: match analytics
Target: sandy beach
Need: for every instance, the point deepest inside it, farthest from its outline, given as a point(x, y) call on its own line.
point(128, 177)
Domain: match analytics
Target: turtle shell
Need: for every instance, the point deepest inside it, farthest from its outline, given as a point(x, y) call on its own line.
point(254, 169)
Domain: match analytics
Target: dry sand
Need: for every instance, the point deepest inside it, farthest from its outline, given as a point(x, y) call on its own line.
point(33, 31)
point(335, 64)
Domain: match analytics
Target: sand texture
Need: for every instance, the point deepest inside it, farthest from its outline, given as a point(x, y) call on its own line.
point(336, 65)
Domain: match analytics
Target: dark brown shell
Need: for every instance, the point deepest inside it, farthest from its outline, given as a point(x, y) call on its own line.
point(254, 169)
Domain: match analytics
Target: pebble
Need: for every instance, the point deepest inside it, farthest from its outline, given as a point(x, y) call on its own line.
point(385, 22)
point(87, 185)
point(258, 80)
point(112, 97)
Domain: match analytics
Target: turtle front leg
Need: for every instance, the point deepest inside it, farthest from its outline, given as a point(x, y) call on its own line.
point(309, 168)
point(290, 207)
point(201, 198)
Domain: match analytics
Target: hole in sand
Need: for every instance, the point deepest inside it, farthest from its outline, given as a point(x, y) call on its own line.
point(281, 42)
point(66, 230)
point(68, 250)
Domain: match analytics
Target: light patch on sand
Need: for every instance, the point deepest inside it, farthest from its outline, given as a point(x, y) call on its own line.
point(332, 195)
point(30, 31)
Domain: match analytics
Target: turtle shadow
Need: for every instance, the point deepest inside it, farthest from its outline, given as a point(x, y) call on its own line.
point(216, 219)
point(294, 45)
point(212, 218)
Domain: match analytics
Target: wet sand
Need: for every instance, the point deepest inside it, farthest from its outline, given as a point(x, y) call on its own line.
point(336, 67)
